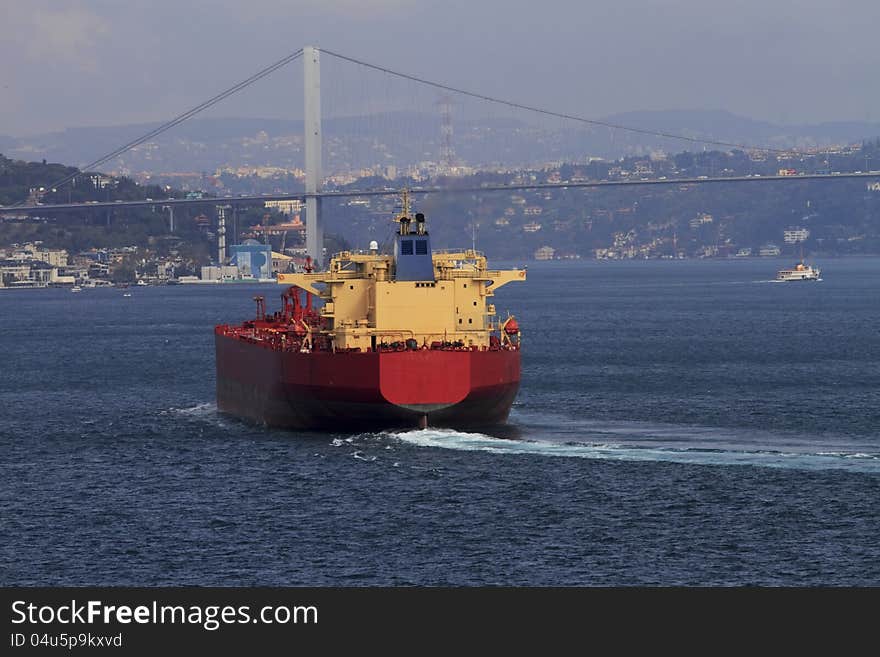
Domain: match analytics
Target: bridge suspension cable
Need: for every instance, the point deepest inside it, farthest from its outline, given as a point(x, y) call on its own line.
point(560, 115)
point(259, 75)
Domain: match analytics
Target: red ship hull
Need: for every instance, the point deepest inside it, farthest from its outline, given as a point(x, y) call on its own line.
point(365, 390)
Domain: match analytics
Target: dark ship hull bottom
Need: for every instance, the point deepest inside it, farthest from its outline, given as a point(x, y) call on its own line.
point(365, 391)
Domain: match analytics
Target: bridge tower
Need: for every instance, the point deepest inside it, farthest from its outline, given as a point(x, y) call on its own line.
point(312, 128)
point(221, 234)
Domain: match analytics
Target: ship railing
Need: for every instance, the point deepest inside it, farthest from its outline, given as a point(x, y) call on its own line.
point(342, 275)
point(448, 274)
point(468, 273)
point(466, 253)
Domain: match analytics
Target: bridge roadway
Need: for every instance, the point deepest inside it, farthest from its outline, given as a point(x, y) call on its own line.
point(244, 200)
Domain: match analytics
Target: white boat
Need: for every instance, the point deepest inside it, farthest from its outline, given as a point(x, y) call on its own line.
point(800, 272)
point(76, 288)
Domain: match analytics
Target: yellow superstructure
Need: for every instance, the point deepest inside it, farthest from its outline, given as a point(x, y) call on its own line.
point(365, 304)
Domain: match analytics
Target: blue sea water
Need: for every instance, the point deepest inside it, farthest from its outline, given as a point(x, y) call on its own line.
point(679, 423)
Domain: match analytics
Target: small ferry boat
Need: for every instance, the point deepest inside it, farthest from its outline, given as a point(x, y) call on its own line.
point(800, 272)
point(76, 288)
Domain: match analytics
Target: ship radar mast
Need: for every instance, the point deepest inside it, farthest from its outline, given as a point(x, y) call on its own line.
point(405, 219)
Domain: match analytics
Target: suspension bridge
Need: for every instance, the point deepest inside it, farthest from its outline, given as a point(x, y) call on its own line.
point(312, 139)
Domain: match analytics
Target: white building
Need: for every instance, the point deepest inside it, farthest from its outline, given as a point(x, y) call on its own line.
point(700, 220)
point(55, 257)
point(545, 253)
point(33, 251)
point(220, 273)
point(288, 207)
point(795, 235)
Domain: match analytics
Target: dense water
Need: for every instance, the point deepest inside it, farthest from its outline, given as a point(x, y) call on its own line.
point(678, 423)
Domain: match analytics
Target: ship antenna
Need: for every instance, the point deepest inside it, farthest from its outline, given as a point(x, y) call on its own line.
point(403, 218)
point(404, 204)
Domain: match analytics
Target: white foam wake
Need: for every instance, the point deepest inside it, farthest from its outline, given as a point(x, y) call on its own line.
point(477, 442)
point(205, 409)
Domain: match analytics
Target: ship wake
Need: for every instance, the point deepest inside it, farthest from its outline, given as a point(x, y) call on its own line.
point(205, 413)
point(665, 443)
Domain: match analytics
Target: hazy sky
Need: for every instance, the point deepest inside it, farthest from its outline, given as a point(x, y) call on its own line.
point(66, 63)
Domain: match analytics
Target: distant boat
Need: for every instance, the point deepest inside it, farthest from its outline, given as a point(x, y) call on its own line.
point(142, 283)
point(76, 288)
point(127, 294)
point(800, 272)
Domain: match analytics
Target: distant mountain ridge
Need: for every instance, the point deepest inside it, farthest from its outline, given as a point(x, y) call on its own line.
point(722, 125)
point(209, 143)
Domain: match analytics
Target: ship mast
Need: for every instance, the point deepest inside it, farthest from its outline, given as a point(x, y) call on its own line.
point(403, 218)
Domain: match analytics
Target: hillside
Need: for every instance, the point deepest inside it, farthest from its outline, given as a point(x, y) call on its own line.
point(405, 138)
point(834, 216)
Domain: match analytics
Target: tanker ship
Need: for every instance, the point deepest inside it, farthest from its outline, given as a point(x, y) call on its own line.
point(406, 339)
